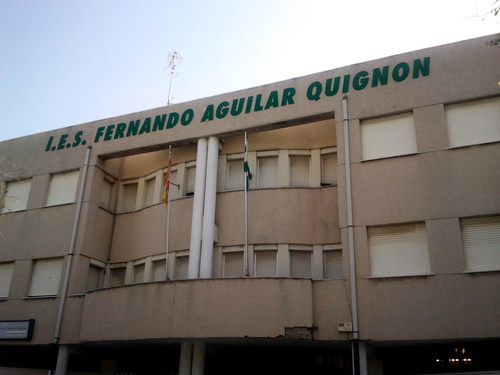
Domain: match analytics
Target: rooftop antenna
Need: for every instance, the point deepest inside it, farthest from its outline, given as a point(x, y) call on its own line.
point(174, 59)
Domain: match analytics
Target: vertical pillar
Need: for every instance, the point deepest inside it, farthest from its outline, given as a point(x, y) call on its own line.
point(198, 367)
point(207, 248)
point(62, 360)
point(197, 218)
point(186, 358)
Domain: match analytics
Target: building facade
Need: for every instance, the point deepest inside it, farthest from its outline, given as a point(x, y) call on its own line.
point(367, 242)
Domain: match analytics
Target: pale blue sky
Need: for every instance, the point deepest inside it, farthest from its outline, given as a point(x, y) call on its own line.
point(66, 62)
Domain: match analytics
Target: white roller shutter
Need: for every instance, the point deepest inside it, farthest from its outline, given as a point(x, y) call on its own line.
point(46, 276)
point(16, 197)
point(267, 172)
point(62, 188)
point(300, 170)
point(6, 271)
point(473, 122)
point(388, 136)
point(481, 242)
point(398, 250)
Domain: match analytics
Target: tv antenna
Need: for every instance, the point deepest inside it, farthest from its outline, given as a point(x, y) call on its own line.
point(174, 59)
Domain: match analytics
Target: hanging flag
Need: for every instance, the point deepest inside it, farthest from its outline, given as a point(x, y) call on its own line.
point(166, 187)
point(246, 168)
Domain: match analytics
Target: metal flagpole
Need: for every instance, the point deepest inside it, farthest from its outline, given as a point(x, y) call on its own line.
point(167, 201)
point(247, 177)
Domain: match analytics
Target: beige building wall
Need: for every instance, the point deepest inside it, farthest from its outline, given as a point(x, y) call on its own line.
point(435, 185)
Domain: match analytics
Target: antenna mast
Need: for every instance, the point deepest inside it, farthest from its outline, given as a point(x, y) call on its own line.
point(174, 59)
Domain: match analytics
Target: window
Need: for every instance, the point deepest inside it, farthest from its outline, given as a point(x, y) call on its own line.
point(16, 196)
point(150, 185)
point(139, 273)
point(181, 265)
point(332, 262)
point(129, 196)
point(328, 168)
point(481, 242)
point(388, 136)
point(398, 250)
point(232, 265)
point(45, 277)
point(190, 179)
point(300, 261)
point(117, 275)
point(300, 169)
point(235, 178)
point(6, 271)
point(95, 275)
point(62, 188)
point(265, 260)
point(473, 122)
point(159, 270)
point(267, 169)
point(106, 193)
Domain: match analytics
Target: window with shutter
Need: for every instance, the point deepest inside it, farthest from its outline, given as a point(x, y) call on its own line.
point(16, 196)
point(6, 271)
point(45, 277)
point(267, 171)
point(473, 122)
point(481, 243)
point(62, 188)
point(388, 136)
point(398, 250)
point(300, 170)
point(232, 261)
point(300, 261)
point(265, 263)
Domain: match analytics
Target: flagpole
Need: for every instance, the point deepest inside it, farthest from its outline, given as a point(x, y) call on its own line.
point(167, 229)
point(247, 183)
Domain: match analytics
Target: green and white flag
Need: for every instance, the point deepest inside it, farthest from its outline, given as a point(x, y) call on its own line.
point(246, 168)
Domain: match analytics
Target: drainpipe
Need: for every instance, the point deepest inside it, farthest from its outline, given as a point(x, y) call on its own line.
point(76, 223)
point(197, 218)
point(63, 353)
point(358, 359)
point(207, 247)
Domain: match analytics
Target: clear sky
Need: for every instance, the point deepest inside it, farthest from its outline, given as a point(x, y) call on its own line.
point(67, 62)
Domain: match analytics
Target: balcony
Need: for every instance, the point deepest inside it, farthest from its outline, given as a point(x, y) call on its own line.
point(202, 308)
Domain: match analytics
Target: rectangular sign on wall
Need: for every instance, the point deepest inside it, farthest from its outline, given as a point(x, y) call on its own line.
point(16, 329)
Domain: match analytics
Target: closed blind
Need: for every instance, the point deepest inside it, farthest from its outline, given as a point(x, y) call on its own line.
point(6, 270)
point(300, 263)
point(16, 197)
point(481, 242)
point(300, 175)
point(235, 179)
point(62, 188)
point(265, 263)
point(388, 136)
point(399, 250)
point(267, 172)
point(473, 122)
point(46, 276)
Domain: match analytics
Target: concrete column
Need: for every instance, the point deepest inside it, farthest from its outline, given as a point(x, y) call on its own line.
point(207, 247)
point(198, 366)
point(62, 360)
point(186, 358)
point(197, 218)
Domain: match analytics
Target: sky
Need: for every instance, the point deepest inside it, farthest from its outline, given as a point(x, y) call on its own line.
point(67, 62)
